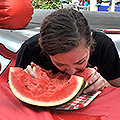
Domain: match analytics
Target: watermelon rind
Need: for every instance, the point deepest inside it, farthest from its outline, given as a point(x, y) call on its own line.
point(80, 81)
point(94, 72)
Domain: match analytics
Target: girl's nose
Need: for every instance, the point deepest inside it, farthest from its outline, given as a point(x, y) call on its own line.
point(71, 70)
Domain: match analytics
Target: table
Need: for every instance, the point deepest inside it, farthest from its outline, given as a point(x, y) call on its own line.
point(106, 106)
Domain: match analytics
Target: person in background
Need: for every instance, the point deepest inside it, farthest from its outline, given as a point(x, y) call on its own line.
point(87, 2)
point(67, 44)
point(99, 1)
point(83, 2)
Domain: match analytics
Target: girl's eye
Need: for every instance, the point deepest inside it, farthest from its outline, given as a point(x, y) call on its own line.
point(81, 62)
point(60, 65)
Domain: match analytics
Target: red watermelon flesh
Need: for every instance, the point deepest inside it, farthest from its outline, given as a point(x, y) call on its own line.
point(48, 90)
point(40, 72)
point(86, 73)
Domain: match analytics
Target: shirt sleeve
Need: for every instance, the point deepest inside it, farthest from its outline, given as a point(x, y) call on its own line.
point(105, 57)
point(109, 62)
point(24, 56)
point(28, 52)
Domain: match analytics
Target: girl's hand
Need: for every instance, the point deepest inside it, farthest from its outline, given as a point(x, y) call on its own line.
point(29, 70)
point(98, 83)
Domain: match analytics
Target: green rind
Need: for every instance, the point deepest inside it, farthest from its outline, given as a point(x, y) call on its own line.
point(33, 68)
point(87, 84)
point(45, 104)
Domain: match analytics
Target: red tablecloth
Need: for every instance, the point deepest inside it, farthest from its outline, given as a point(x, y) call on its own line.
point(106, 106)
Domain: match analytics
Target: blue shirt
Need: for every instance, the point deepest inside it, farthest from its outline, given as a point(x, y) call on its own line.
point(86, 4)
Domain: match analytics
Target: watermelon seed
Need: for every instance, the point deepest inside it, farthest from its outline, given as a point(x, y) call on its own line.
point(68, 82)
point(25, 85)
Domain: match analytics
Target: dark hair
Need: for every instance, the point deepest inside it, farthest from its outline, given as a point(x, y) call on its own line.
point(64, 30)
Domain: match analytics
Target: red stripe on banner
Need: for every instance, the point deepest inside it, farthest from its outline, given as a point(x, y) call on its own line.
point(8, 55)
point(117, 31)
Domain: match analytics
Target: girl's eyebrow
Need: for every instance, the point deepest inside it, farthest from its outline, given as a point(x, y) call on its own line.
point(73, 63)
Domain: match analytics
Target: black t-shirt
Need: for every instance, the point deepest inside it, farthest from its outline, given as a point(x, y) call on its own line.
point(105, 56)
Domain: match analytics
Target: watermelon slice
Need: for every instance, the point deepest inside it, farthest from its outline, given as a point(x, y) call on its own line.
point(48, 90)
point(86, 74)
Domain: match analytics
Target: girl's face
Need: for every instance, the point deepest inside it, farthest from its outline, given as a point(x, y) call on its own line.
point(73, 61)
